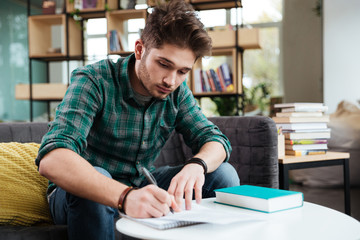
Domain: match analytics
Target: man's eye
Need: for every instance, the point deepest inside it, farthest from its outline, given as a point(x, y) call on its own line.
point(163, 65)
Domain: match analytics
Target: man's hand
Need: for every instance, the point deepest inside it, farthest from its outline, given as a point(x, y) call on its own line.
point(190, 178)
point(149, 201)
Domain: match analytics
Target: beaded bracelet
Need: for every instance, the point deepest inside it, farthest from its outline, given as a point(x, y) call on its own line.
point(197, 161)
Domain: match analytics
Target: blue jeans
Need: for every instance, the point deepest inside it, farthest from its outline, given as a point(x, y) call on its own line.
point(90, 220)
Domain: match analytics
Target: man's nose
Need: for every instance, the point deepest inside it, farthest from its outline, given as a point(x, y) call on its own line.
point(170, 79)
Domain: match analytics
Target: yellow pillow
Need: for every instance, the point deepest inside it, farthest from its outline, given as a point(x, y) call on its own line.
point(22, 189)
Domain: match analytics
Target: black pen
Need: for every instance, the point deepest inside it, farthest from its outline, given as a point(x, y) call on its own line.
point(151, 180)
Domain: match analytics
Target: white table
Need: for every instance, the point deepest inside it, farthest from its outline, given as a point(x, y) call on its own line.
point(308, 222)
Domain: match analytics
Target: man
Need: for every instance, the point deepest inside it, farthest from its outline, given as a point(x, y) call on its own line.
point(114, 120)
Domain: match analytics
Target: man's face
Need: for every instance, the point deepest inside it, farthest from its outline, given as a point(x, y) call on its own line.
point(162, 70)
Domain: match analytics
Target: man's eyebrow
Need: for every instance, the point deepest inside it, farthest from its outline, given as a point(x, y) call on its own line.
point(172, 63)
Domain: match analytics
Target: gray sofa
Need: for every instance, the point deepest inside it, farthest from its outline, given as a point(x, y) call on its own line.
point(253, 139)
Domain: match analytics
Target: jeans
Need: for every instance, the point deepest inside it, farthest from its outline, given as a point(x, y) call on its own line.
point(90, 220)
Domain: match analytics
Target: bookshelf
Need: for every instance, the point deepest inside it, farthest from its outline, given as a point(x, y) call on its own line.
point(231, 42)
point(228, 42)
point(41, 28)
point(116, 20)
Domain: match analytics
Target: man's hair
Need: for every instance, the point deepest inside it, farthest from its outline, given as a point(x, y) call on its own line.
point(176, 23)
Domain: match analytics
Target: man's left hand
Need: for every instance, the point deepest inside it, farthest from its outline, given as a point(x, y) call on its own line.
point(190, 178)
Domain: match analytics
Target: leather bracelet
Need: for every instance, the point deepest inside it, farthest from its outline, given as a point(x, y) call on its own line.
point(122, 199)
point(197, 161)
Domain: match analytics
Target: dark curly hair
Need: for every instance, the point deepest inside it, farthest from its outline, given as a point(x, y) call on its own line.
point(176, 23)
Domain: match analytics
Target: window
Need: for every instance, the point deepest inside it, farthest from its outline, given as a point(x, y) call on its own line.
point(261, 66)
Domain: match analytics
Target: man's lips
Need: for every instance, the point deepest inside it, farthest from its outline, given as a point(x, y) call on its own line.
point(163, 89)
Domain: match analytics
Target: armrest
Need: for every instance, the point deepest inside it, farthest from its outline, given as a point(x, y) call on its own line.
point(254, 143)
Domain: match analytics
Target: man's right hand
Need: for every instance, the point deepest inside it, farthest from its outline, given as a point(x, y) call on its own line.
point(149, 201)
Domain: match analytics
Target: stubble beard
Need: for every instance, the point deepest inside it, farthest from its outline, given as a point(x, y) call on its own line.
point(145, 76)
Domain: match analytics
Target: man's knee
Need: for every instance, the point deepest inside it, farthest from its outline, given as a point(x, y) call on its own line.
point(227, 175)
point(224, 176)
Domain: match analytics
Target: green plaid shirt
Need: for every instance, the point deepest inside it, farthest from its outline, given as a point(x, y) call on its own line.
point(100, 119)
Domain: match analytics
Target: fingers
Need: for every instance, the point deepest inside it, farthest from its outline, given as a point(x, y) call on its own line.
point(149, 201)
point(183, 185)
point(176, 189)
point(189, 194)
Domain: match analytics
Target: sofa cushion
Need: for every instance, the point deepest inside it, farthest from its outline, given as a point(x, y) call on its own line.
point(23, 190)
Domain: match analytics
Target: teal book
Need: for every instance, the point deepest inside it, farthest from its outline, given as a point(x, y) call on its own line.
point(261, 199)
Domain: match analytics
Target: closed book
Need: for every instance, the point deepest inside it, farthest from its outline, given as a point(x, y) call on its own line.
point(307, 130)
point(297, 126)
point(305, 109)
point(304, 152)
point(306, 141)
point(257, 198)
point(298, 104)
point(306, 147)
point(324, 118)
point(307, 135)
point(299, 114)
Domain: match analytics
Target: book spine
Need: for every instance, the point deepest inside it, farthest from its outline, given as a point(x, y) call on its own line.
point(304, 152)
point(227, 77)
point(306, 141)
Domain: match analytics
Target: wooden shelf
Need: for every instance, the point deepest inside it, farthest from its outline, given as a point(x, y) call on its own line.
point(116, 20)
point(248, 38)
point(41, 37)
point(41, 91)
point(100, 6)
point(212, 4)
point(235, 68)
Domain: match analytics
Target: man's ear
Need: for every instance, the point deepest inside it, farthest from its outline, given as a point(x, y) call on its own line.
point(139, 49)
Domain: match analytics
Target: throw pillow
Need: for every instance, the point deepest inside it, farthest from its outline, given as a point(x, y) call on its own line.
point(22, 189)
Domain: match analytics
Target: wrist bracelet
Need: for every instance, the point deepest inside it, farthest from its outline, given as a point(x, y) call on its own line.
point(122, 199)
point(198, 161)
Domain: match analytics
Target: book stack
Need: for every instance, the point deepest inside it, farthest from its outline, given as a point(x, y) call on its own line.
point(214, 80)
point(304, 126)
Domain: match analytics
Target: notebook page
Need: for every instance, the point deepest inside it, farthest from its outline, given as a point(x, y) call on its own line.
point(197, 215)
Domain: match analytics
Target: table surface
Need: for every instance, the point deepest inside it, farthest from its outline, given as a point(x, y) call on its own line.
point(308, 222)
point(310, 158)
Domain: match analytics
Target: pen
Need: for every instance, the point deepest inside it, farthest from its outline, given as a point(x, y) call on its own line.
point(151, 180)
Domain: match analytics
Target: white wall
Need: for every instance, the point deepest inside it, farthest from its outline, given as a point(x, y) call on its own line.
point(341, 52)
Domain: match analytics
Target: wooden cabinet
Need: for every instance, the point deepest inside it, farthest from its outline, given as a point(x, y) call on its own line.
point(43, 29)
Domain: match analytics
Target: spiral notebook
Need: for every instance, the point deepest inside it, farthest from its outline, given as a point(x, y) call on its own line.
point(197, 215)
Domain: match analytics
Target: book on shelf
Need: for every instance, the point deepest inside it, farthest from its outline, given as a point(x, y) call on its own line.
point(257, 198)
point(306, 141)
point(299, 114)
point(324, 118)
point(197, 80)
point(225, 69)
point(114, 41)
point(89, 4)
point(213, 77)
point(213, 80)
point(304, 152)
point(306, 135)
point(221, 79)
point(197, 215)
point(316, 146)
